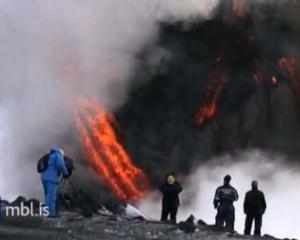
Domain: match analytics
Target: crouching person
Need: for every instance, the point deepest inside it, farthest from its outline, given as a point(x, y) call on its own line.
point(51, 175)
point(170, 203)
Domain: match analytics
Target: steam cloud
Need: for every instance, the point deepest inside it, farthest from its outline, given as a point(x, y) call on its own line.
point(55, 51)
point(276, 180)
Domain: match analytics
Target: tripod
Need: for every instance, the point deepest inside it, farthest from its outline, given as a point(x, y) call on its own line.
point(77, 199)
point(61, 198)
point(63, 183)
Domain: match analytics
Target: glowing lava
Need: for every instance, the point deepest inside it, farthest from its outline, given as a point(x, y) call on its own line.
point(209, 108)
point(107, 157)
point(274, 80)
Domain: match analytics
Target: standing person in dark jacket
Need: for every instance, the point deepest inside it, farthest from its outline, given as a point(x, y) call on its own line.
point(223, 201)
point(170, 203)
point(254, 208)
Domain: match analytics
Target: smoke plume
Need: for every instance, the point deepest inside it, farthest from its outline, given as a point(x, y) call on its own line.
point(153, 63)
point(232, 69)
point(225, 70)
point(54, 52)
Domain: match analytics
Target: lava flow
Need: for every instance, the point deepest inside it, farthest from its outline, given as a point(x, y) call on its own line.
point(241, 66)
point(209, 107)
point(107, 157)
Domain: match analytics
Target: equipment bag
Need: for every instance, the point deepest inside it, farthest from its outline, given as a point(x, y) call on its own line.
point(43, 164)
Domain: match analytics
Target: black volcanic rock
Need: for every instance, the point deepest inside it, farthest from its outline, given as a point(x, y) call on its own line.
point(158, 119)
point(103, 226)
point(18, 201)
point(188, 226)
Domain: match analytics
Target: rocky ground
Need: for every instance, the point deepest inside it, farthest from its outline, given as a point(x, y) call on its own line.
point(94, 222)
point(103, 225)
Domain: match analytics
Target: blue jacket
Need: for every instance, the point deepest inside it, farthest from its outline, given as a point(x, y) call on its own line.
point(56, 167)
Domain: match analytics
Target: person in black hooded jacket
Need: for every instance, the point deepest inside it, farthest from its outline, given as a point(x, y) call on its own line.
point(225, 196)
point(254, 208)
point(170, 203)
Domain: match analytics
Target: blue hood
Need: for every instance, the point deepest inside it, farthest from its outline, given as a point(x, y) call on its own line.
point(56, 167)
point(55, 150)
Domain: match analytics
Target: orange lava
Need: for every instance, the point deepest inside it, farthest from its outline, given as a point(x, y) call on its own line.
point(274, 80)
point(108, 159)
point(209, 108)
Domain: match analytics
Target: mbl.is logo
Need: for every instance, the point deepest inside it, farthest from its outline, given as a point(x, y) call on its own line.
point(24, 210)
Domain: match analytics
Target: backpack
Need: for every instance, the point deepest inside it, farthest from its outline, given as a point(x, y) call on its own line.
point(42, 165)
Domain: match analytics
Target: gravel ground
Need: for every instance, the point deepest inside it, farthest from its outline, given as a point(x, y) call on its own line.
point(103, 226)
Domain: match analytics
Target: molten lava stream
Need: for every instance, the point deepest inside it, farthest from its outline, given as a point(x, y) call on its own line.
point(104, 134)
point(107, 155)
point(209, 108)
point(99, 167)
point(114, 153)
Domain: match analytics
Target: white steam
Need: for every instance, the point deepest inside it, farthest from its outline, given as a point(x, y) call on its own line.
point(279, 181)
point(54, 51)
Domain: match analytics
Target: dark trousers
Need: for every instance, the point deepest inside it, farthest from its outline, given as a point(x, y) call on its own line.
point(249, 221)
point(225, 217)
point(169, 210)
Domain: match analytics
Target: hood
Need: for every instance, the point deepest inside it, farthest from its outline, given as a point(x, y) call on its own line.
point(55, 150)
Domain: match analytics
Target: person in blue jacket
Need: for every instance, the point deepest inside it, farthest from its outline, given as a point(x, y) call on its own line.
point(51, 177)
